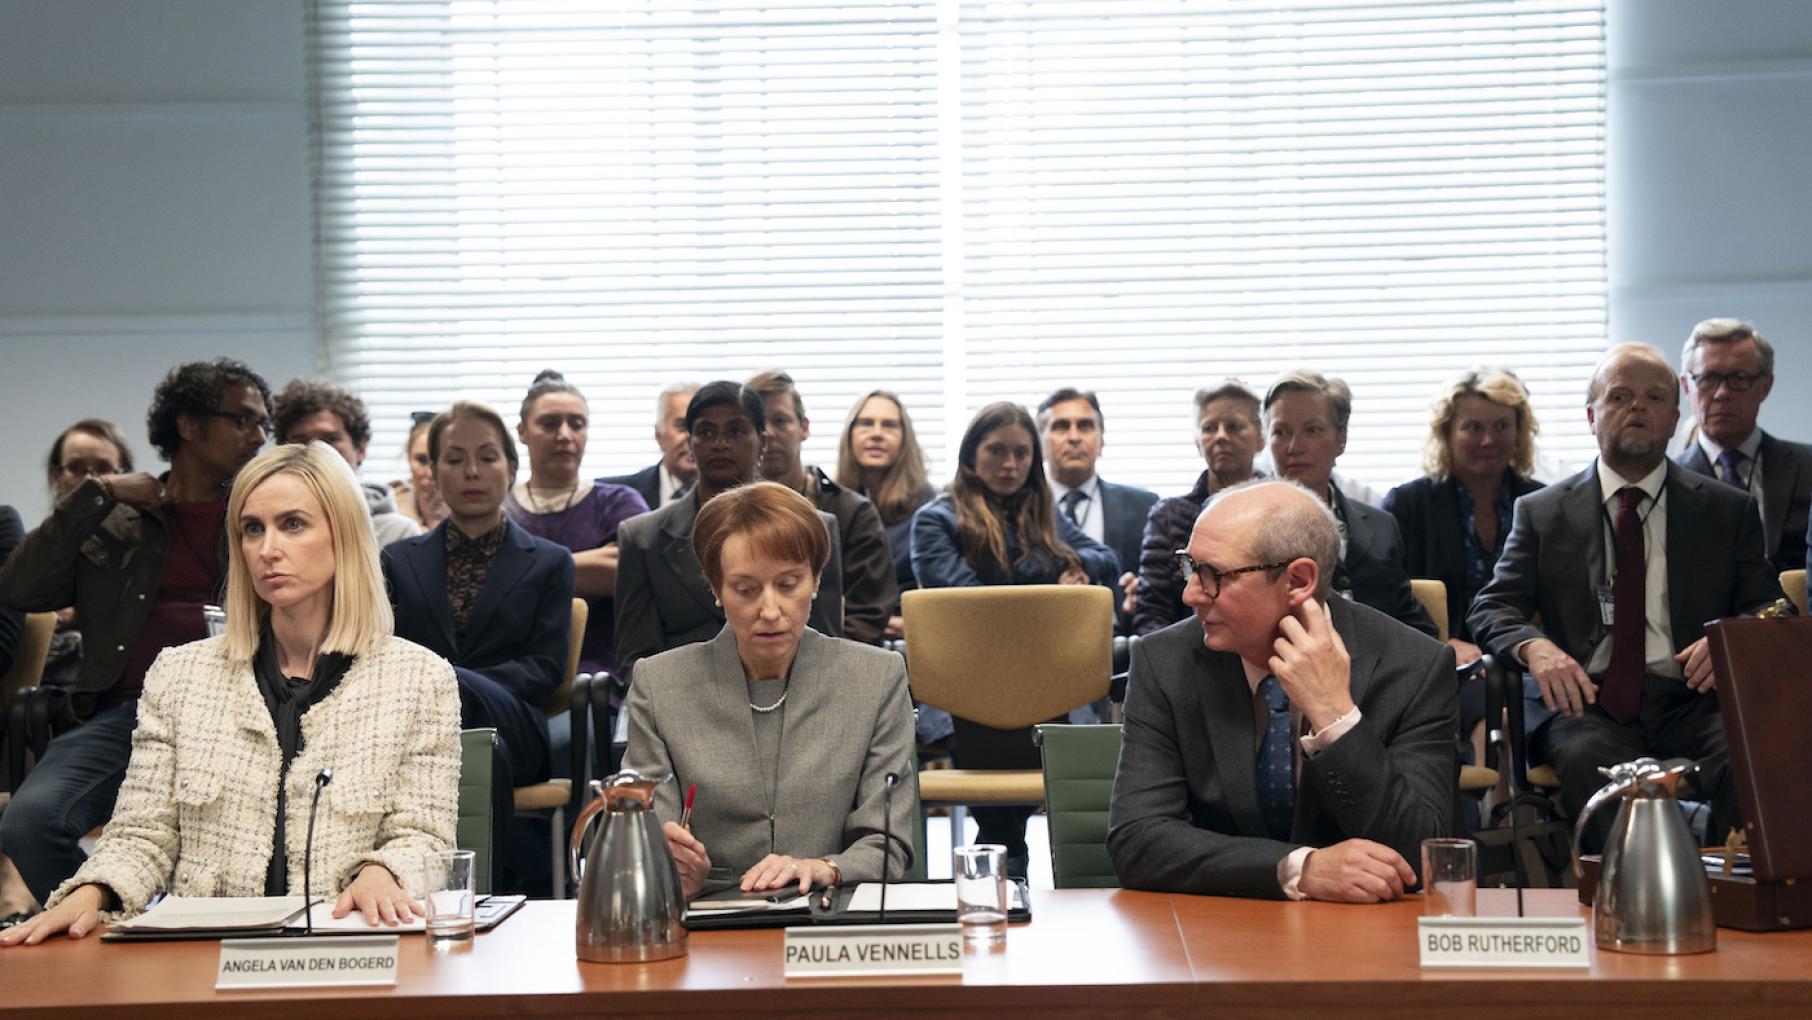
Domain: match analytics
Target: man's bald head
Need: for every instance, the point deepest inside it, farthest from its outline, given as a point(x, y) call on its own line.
point(1287, 523)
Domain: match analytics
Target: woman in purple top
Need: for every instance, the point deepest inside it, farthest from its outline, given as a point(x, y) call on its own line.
point(557, 505)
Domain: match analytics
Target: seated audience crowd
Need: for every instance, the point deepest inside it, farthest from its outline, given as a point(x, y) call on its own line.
point(1290, 721)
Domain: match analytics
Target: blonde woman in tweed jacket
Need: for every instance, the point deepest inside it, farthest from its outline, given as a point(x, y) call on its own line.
point(209, 787)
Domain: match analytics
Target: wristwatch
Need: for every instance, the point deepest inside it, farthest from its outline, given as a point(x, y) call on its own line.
point(836, 872)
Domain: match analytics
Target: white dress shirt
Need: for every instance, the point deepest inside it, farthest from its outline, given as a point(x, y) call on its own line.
point(1658, 642)
point(1089, 515)
point(670, 487)
point(1749, 466)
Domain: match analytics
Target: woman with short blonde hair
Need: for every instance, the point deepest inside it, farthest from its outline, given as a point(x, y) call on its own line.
point(221, 773)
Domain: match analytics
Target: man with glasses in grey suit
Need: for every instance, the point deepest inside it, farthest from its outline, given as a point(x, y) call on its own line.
point(1283, 743)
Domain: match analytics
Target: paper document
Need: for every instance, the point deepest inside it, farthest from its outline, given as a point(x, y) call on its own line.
point(749, 906)
point(925, 896)
point(207, 913)
point(904, 896)
point(353, 922)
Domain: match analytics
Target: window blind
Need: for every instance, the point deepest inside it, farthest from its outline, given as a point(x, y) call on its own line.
point(962, 201)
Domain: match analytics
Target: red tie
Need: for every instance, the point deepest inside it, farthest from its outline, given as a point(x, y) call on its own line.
point(1621, 693)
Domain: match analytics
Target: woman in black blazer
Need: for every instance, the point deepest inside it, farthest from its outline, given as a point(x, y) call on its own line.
point(488, 596)
point(1477, 458)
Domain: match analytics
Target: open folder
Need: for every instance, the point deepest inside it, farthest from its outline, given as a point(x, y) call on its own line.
point(238, 917)
point(907, 903)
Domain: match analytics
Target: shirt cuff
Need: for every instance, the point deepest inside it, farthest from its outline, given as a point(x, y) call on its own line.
point(1317, 742)
point(1289, 872)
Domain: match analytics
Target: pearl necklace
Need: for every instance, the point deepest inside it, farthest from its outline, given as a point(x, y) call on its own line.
point(765, 709)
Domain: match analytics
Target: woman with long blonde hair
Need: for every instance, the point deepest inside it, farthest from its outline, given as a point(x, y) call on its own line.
point(234, 731)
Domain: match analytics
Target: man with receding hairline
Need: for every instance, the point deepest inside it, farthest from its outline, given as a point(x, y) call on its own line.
point(1624, 562)
point(1283, 743)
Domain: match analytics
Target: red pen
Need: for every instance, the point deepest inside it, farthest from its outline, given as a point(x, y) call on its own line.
point(685, 817)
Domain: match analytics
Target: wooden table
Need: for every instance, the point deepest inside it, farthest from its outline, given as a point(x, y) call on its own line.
point(1087, 953)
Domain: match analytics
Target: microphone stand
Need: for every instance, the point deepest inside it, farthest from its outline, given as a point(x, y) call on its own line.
point(887, 786)
point(308, 853)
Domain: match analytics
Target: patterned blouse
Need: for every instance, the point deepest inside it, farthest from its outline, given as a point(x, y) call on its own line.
point(468, 562)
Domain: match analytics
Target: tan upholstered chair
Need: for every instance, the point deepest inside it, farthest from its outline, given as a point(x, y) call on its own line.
point(1433, 596)
point(16, 692)
point(1005, 657)
point(552, 798)
point(1793, 584)
point(1475, 780)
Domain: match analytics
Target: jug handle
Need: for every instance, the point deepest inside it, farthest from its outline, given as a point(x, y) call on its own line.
point(592, 810)
point(1609, 792)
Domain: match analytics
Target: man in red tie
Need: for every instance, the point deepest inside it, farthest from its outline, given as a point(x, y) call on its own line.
point(1624, 562)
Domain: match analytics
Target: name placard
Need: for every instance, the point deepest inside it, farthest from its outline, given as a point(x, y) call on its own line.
point(306, 962)
point(1499, 942)
point(874, 950)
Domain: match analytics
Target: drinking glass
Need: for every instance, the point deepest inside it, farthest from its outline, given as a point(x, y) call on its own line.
point(981, 892)
point(448, 893)
point(1450, 877)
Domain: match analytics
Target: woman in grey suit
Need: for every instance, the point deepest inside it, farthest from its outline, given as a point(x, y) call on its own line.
point(789, 736)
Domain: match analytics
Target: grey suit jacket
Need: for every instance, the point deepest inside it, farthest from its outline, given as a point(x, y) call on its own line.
point(1786, 496)
point(663, 600)
point(1554, 562)
point(847, 723)
point(1184, 816)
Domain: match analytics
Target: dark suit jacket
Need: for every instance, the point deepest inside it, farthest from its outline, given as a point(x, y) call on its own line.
point(1184, 816)
point(646, 481)
point(1434, 537)
point(663, 600)
point(869, 589)
point(1786, 496)
point(938, 560)
point(1123, 512)
point(12, 621)
point(1554, 563)
point(518, 633)
point(1373, 566)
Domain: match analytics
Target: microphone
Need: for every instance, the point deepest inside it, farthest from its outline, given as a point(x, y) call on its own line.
point(891, 780)
point(308, 853)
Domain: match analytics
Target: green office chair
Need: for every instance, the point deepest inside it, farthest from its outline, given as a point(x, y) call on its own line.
point(1079, 763)
point(476, 829)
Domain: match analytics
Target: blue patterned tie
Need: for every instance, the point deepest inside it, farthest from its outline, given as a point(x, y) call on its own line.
point(1276, 785)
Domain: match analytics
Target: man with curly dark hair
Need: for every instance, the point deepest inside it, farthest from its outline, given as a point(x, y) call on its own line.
point(138, 557)
point(311, 409)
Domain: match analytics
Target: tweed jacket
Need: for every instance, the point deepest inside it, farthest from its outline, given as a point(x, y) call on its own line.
point(847, 724)
point(197, 811)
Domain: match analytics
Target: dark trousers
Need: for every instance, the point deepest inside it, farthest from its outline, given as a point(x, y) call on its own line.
point(984, 747)
point(1673, 722)
point(69, 792)
point(523, 759)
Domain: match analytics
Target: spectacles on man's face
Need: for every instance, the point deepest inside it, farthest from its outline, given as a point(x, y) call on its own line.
point(1739, 382)
point(245, 421)
point(88, 468)
point(1210, 578)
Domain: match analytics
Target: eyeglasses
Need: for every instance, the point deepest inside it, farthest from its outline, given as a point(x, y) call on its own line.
point(245, 421)
point(87, 469)
point(1210, 578)
point(1739, 382)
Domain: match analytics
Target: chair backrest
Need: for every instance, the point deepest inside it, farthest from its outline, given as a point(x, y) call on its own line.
point(1793, 583)
point(477, 802)
point(1079, 763)
point(29, 654)
point(1012, 655)
point(575, 640)
point(1433, 596)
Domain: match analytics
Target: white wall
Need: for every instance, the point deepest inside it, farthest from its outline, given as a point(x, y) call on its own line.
point(154, 208)
point(1711, 148)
